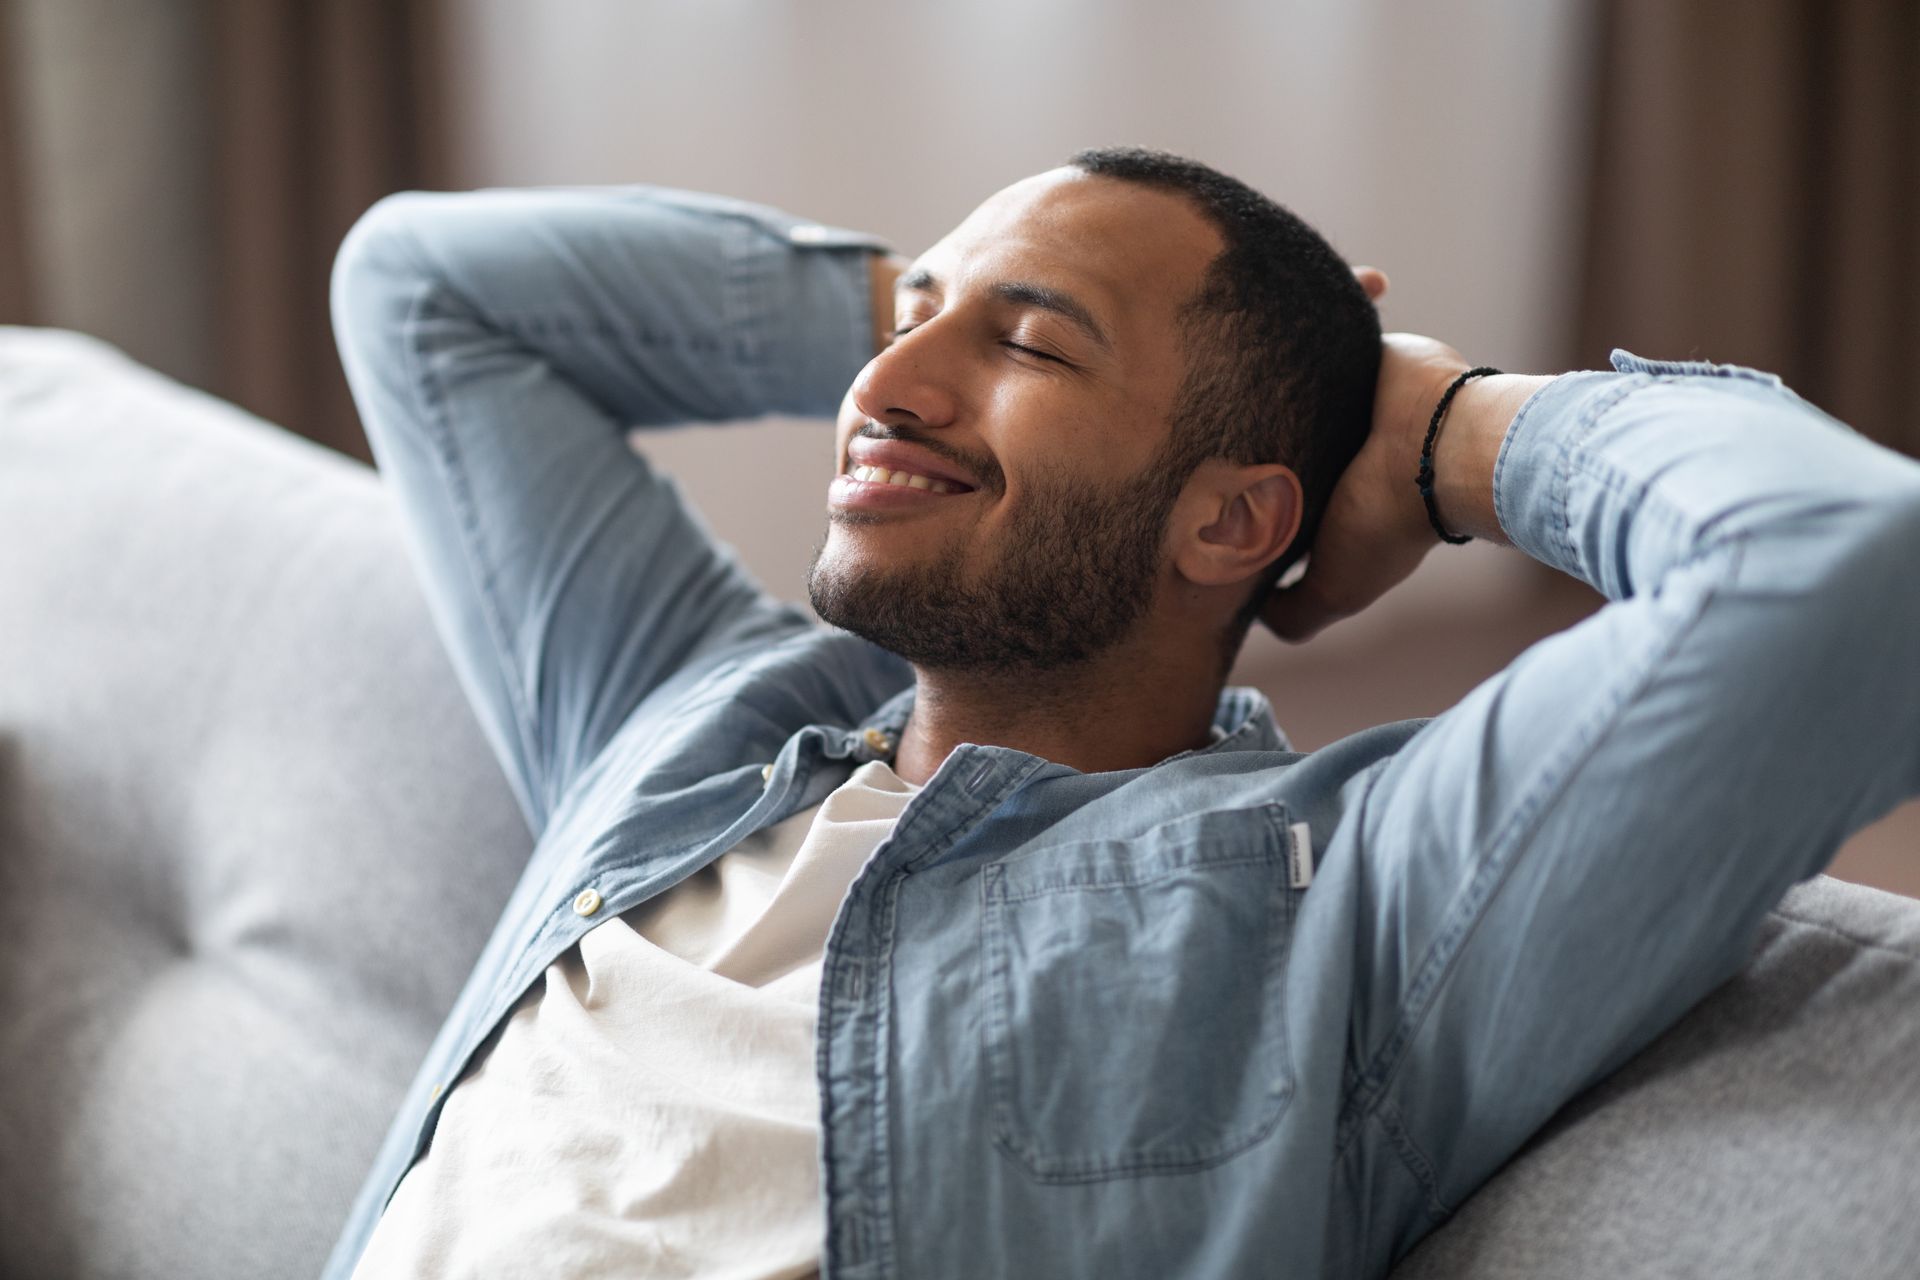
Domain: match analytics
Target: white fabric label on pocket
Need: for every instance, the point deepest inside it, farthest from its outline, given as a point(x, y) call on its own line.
point(1300, 855)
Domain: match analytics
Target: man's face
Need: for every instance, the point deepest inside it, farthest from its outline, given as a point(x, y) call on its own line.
point(1029, 393)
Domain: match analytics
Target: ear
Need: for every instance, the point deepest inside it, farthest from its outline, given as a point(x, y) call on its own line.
point(1232, 521)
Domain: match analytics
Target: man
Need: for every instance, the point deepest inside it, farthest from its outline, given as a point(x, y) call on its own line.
point(985, 933)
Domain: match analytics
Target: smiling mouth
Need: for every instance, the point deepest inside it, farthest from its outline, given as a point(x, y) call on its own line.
point(906, 479)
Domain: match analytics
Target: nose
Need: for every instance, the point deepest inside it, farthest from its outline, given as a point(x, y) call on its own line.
point(910, 382)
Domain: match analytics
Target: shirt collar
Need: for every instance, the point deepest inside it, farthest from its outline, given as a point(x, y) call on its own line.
point(1242, 721)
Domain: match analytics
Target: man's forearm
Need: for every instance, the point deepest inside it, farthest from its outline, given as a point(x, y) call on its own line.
point(680, 306)
point(1622, 478)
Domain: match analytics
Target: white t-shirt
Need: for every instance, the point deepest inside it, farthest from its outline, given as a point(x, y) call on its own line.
point(650, 1108)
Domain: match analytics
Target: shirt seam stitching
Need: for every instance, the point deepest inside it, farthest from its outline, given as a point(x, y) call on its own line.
point(434, 418)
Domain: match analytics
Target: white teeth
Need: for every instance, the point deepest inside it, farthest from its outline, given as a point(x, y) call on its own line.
point(881, 475)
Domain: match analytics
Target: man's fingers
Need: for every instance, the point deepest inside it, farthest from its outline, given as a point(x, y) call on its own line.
point(1373, 280)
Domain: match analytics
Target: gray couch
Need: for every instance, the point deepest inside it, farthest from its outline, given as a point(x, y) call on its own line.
point(251, 840)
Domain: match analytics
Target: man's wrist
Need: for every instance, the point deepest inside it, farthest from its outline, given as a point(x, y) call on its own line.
point(1468, 449)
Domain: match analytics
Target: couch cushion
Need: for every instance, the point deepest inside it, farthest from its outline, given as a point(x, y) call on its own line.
point(250, 837)
point(1773, 1134)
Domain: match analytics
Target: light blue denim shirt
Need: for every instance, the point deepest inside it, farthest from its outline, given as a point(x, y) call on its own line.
point(1088, 1024)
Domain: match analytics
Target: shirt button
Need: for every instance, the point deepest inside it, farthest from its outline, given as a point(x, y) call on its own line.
point(587, 903)
point(879, 741)
point(766, 773)
point(808, 233)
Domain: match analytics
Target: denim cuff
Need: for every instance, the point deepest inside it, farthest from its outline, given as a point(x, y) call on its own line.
point(821, 272)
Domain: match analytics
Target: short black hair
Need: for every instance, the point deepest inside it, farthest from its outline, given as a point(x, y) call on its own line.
point(1282, 343)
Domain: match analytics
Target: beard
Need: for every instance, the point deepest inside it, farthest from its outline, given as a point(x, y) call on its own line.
point(1073, 575)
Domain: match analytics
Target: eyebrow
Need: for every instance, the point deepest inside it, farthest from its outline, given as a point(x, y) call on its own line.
point(1023, 293)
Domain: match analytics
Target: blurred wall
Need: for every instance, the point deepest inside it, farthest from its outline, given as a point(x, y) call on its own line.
point(1439, 141)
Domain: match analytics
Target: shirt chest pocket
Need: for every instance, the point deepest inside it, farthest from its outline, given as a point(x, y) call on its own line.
point(1135, 997)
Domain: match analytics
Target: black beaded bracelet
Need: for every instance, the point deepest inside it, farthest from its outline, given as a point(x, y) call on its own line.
point(1425, 478)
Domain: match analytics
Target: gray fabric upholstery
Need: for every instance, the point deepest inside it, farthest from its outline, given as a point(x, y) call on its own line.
point(250, 842)
point(1772, 1134)
point(250, 838)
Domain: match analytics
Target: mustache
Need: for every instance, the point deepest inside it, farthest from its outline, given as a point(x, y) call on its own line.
point(983, 468)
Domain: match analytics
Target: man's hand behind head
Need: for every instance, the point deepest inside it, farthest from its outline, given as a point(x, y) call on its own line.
point(1375, 530)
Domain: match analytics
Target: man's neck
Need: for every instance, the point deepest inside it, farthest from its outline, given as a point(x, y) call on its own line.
point(1126, 710)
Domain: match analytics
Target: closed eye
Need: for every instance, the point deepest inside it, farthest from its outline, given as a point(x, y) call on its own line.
point(1030, 351)
point(905, 329)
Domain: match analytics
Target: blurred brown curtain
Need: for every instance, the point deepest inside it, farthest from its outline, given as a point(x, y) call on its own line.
point(1756, 196)
point(321, 107)
point(15, 298)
